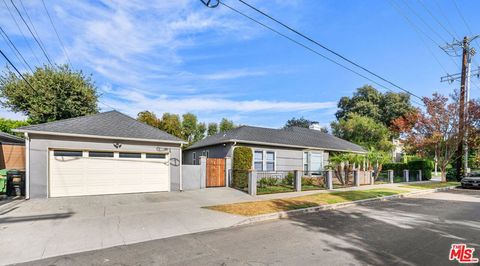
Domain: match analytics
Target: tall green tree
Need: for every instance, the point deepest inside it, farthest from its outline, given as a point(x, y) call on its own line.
point(381, 107)
point(226, 125)
point(171, 124)
point(6, 125)
point(364, 131)
point(299, 122)
point(200, 132)
point(149, 118)
point(212, 129)
point(59, 93)
point(189, 126)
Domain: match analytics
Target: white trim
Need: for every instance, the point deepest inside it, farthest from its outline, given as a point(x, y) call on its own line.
point(27, 166)
point(180, 170)
point(96, 136)
point(264, 159)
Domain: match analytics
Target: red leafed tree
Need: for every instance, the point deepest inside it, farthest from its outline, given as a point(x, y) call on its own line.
point(435, 131)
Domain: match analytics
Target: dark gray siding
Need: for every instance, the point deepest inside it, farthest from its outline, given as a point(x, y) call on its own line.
point(216, 151)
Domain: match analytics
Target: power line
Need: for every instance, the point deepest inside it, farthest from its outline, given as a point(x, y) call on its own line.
point(328, 49)
point(21, 32)
point(309, 48)
point(424, 22)
point(13, 47)
point(419, 31)
point(56, 32)
point(435, 18)
point(18, 72)
point(31, 32)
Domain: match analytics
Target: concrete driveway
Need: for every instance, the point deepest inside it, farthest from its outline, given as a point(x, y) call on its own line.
point(41, 228)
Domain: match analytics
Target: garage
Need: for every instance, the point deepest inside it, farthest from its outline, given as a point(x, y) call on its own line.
point(81, 173)
point(100, 154)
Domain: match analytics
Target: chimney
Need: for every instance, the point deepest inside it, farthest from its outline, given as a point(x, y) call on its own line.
point(315, 126)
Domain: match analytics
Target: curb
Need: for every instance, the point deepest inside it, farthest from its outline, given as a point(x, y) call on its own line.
point(293, 213)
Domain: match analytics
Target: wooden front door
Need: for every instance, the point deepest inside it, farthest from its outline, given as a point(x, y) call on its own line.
point(215, 172)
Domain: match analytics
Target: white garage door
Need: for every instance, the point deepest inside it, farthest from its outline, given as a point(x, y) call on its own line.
point(77, 173)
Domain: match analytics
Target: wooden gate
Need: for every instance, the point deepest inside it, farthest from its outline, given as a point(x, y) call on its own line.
point(215, 172)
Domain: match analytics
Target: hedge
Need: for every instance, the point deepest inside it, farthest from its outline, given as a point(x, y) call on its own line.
point(425, 165)
point(242, 163)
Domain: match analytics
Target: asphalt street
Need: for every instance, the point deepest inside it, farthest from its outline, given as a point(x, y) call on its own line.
point(409, 231)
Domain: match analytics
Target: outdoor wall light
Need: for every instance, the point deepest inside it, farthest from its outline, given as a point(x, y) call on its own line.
point(117, 145)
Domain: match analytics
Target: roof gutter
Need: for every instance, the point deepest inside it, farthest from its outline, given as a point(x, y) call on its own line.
point(96, 136)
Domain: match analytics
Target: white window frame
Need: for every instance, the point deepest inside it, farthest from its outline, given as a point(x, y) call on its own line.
point(194, 158)
point(264, 160)
point(309, 160)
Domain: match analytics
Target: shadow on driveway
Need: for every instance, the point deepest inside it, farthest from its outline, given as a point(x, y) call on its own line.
point(32, 218)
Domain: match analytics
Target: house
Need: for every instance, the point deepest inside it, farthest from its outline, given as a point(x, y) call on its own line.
point(274, 149)
point(105, 153)
point(12, 152)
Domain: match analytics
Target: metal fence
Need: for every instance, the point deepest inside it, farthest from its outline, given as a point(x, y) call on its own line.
point(314, 180)
point(381, 177)
point(275, 182)
point(240, 179)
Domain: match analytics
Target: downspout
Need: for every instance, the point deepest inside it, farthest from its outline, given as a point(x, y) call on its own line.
point(181, 175)
point(27, 166)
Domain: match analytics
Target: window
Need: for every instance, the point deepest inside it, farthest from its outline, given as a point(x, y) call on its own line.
point(313, 162)
point(194, 160)
point(130, 155)
point(258, 160)
point(156, 156)
point(305, 162)
point(67, 153)
point(264, 160)
point(103, 154)
point(270, 162)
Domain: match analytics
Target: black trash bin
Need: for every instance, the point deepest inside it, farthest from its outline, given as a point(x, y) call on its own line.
point(15, 183)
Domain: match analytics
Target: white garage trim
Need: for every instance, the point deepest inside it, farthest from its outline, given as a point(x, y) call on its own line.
point(111, 173)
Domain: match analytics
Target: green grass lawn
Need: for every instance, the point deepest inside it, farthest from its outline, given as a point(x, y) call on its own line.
point(431, 185)
point(270, 206)
point(274, 189)
point(312, 187)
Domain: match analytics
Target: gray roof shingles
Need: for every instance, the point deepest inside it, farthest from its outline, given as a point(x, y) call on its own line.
point(107, 124)
point(8, 138)
point(301, 137)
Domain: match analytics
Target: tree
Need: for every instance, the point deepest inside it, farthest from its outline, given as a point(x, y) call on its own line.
point(363, 131)
point(149, 118)
point(226, 125)
point(381, 107)
point(436, 131)
point(299, 122)
point(200, 132)
point(58, 93)
point(6, 125)
point(189, 126)
point(212, 129)
point(171, 124)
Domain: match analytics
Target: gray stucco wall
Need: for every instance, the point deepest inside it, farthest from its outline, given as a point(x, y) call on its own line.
point(40, 145)
point(191, 177)
point(217, 151)
point(287, 159)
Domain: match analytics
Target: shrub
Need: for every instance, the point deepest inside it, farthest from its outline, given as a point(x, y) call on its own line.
point(452, 174)
point(396, 167)
point(426, 166)
point(242, 163)
point(289, 179)
point(267, 181)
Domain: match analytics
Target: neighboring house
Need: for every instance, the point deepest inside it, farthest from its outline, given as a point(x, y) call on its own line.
point(274, 149)
point(398, 150)
point(105, 153)
point(12, 152)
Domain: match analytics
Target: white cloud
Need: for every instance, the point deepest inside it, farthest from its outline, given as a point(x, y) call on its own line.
point(200, 104)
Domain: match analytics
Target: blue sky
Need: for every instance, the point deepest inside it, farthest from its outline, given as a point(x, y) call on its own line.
point(179, 56)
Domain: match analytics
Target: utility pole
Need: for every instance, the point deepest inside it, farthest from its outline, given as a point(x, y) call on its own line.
point(467, 54)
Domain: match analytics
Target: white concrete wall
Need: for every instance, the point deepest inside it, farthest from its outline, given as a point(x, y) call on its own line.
point(191, 177)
